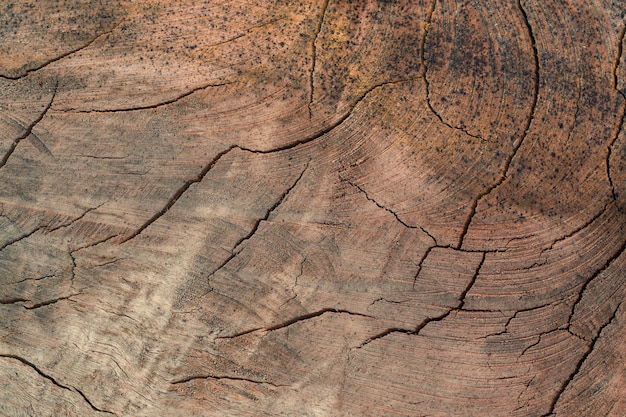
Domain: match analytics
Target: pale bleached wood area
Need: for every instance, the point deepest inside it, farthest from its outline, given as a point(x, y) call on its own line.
point(312, 208)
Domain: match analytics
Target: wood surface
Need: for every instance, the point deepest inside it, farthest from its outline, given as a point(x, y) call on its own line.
point(312, 208)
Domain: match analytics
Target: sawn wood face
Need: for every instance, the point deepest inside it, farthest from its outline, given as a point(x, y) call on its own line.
point(322, 208)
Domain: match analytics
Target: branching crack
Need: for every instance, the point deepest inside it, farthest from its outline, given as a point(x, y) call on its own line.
point(149, 106)
point(237, 247)
point(402, 222)
point(429, 17)
point(318, 29)
point(416, 331)
point(518, 143)
point(29, 129)
point(60, 57)
point(582, 290)
point(579, 365)
point(514, 316)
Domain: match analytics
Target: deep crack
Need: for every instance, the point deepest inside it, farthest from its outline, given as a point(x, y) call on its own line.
point(518, 143)
point(295, 320)
point(224, 377)
point(93, 407)
point(29, 129)
point(36, 369)
point(53, 380)
point(318, 29)
point(427, 24)
point(579, 365)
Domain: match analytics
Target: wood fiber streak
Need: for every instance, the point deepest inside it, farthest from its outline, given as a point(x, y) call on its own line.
point(313, 208)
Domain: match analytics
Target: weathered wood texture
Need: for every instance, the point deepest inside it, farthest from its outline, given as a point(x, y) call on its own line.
point(324, 208)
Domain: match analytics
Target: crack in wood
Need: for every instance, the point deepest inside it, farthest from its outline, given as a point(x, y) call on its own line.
point(19, 238)
point(46, 229)
point(622, 110)
point(589, 280)
point(620, 40)
point(427, 25)
point(416, 331)
point(148, 106)
point(31, 279)
point(29, 129)
point(22, 301)
point(333, 126)
point(236, 248)
point(225, 378)
point(178, 194)
point(514, 316)
point(318, 29)
point(295, 320)
point(573, 126)
point(580, 228)
point(93, 407)
point(49, 229)
point(53, 380)
point(518, 143)
point(60, 57)
point(579, 364)
point(402, 222)
point(36, 369)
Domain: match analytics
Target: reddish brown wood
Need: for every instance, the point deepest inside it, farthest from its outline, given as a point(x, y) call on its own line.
point(320, 208)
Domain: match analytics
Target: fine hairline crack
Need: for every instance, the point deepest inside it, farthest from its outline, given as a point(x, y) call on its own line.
point(429, 17)
point(388, 210)
point(237, 246)
point(149, 106)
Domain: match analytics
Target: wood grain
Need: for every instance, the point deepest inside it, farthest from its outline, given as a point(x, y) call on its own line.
point(322, 208)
